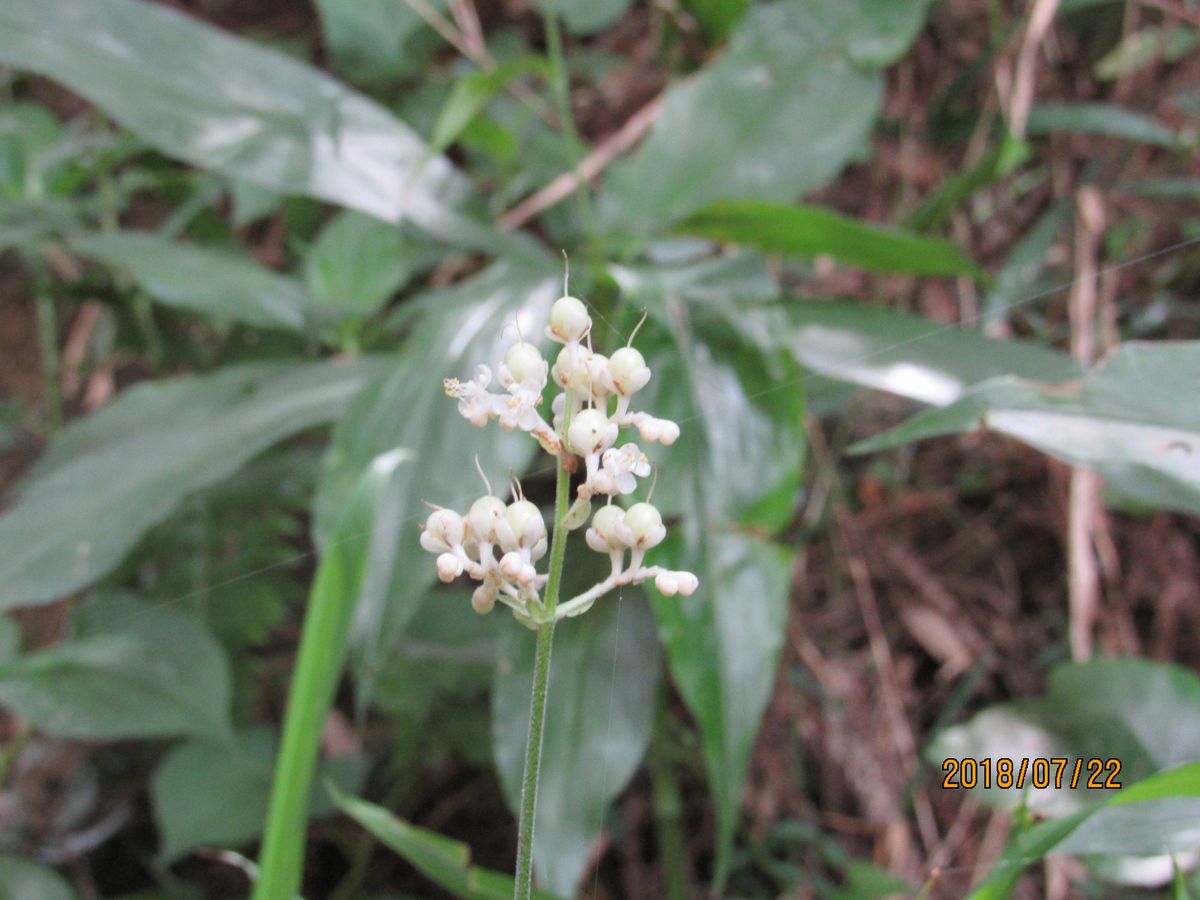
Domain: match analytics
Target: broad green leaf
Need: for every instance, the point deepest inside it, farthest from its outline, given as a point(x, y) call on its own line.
point(356, 264)
point(603, 676)
point(587, 16)
point(719, 373)
point(215, 794)
point(108, 478)
point(132, 670)
point(232, 106)
point(406, 407)
point(215, 283)
point(445, 862)
point(373, 41)
point(21, 878)
point(908, 355)
point(471, 94)
point(1100, 118)
point(1125, 419)
point(812, 231)
point(723, 646)
point(777, 114)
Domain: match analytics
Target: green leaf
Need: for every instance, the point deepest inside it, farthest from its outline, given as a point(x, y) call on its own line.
point(214, 283)
point(374, 41)
point(108, 478)
point(716, 17)
point(471, 94)
point(719, 373)
point(908, 355)
point(723, 646)
point(1018, 279)
point(779, 113)
point(356, 264)
point(812, 231)
point(1147, 47)
point(587, 16)
point(460, 327)
point(210, 794)
point(994, 165)
point(21, 878)
point(1165, 188)
point(1124, 419)
point(1146, 714)
point(1104, 119)
point(232, 106)
point(1143, 713)
point(133, 670)
point(445, 862)
point(603, 676)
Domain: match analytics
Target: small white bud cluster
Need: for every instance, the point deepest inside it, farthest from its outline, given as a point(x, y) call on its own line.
point(469, 544)
point(587, 418)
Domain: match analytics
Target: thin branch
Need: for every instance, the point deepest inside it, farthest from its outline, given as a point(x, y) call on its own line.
point(589, 167)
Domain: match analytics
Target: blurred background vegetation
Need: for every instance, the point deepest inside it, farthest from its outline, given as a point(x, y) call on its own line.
point(242, 243)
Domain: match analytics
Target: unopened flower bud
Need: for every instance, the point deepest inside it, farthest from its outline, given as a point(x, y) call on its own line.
point(482, 518)
point(484, 599)
point(521, 527)
point(444, 530)
point(591, 432)
point(569, 320)
point(687, 583)
point(449, 567)
point(628, 371)
point(645, 525)
point(523, 363)
point(511, 565)
point(667, 583)
point(605, 535)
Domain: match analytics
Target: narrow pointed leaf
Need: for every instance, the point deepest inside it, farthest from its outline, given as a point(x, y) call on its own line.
point(445, 862)
point(811, 231)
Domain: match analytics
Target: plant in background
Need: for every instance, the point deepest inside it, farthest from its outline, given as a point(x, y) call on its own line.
point(498, 544)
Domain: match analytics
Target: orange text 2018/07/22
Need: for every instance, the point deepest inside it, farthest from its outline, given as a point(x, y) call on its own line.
point(1041, 772)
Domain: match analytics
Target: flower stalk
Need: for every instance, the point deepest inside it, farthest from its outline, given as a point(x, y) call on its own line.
point(499, 544)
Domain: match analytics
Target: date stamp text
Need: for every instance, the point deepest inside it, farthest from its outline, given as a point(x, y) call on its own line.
point(1040, 772)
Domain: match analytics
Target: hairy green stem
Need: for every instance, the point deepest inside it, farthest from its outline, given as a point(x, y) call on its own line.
point(541, 675)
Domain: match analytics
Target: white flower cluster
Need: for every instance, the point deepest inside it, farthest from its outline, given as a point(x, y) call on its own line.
point(587, 416)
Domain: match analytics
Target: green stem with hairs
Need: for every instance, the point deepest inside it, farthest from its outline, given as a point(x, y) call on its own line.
point(541, 677)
